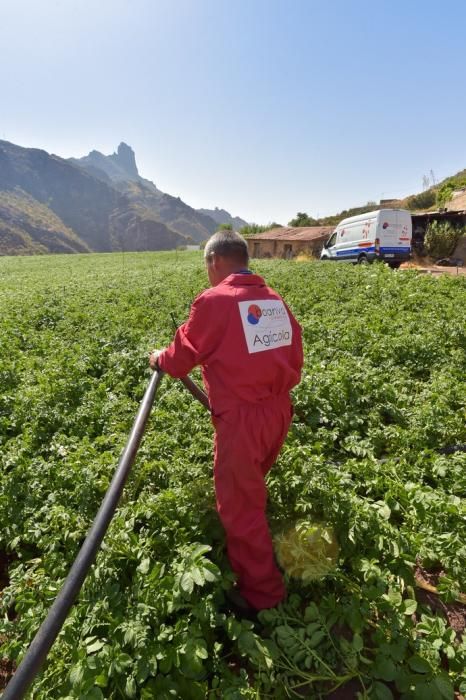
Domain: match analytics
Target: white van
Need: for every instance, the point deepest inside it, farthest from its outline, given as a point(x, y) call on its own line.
point(378, 235)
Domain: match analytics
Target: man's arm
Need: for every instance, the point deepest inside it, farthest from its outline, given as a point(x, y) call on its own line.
point(195, 340)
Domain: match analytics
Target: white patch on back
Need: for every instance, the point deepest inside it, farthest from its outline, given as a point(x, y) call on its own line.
point(266, 324)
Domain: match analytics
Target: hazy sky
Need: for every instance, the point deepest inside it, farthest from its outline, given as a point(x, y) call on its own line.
point(263, 107)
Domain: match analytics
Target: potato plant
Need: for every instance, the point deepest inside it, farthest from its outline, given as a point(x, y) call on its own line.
point(374, 452)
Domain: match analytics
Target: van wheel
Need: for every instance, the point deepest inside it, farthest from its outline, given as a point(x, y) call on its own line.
point(362, 260)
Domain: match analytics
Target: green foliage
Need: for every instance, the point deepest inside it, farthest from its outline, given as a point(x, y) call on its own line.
point(441, 238)
point(423, 200)
point(307, 551)
point(251, 229)
point(446, 189)
point(383, 389)
point(225, 227)
point(303, 219)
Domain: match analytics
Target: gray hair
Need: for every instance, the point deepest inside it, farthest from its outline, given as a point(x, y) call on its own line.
point(228, 244)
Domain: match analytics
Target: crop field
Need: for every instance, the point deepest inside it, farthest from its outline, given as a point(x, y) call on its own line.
point(374, 453)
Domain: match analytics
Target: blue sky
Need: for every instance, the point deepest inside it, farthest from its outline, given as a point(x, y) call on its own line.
point(263, 107)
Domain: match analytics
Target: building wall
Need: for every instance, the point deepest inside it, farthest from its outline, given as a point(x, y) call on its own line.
point(261, 249)
point(283, 249)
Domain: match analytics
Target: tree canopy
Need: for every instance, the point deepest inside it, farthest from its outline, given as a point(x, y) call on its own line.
point(303, 219)
point(251, 229)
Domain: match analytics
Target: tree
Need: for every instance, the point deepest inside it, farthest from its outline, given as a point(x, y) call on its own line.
point(251, 229)
point(225, 227)
point(302, 219)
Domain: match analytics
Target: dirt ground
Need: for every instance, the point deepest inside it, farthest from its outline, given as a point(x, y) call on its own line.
point(454, 613)
point(428, 269)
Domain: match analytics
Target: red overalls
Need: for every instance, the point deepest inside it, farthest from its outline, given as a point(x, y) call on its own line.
point(249, 346)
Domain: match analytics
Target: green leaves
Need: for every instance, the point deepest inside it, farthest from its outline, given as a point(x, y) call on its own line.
point(384, 668)
point(419, 664)
point(93, 646)
point(144, 566)
point(383, 391)
point(358, 643)
point(409, 606)
point(195, 570)
point(187, 582)
point(381, 692)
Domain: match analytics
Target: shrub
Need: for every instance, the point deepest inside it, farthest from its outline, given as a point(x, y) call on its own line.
point(424, 200)
point(441, 238)
point(303, 219)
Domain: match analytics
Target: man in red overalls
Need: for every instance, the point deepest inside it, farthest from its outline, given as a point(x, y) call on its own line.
point(249, 347)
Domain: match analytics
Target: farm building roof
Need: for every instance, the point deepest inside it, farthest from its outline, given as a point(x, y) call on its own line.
point(287, 233)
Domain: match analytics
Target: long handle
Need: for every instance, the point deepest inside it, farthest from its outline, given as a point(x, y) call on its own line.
point(49, 629)
point(196, 391)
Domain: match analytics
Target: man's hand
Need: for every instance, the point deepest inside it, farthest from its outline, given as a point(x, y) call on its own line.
point(153, 359)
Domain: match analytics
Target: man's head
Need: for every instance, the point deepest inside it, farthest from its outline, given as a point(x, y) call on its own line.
point(225, 252)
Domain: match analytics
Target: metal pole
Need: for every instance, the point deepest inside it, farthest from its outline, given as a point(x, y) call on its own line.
point(196, 391)
point(49, 629)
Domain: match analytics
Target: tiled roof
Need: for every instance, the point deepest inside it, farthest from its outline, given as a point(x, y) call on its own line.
point(301, 233)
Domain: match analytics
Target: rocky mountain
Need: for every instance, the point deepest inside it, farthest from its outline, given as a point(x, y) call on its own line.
point(29, 227)
point(120, 170)
point(94, 203)
point(48, 204)
point(220, 216)
point(120, 166)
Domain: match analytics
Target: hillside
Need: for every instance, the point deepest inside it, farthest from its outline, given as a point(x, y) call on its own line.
point(172, 211)
point(120, 170)
point(51, 205)
point(436, 196)
point(27, 226)
point(221, 216)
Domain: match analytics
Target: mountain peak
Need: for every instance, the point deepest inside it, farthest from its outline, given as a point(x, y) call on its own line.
point(118, 167)
point(126, 159)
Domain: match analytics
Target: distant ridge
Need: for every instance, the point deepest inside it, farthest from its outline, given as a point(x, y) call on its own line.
point(96, 203)
point(121, 171)
point(48, 204)
point(120, 166)
point(220, 216)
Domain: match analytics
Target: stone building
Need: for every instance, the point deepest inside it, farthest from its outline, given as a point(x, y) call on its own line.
point(286, 242)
